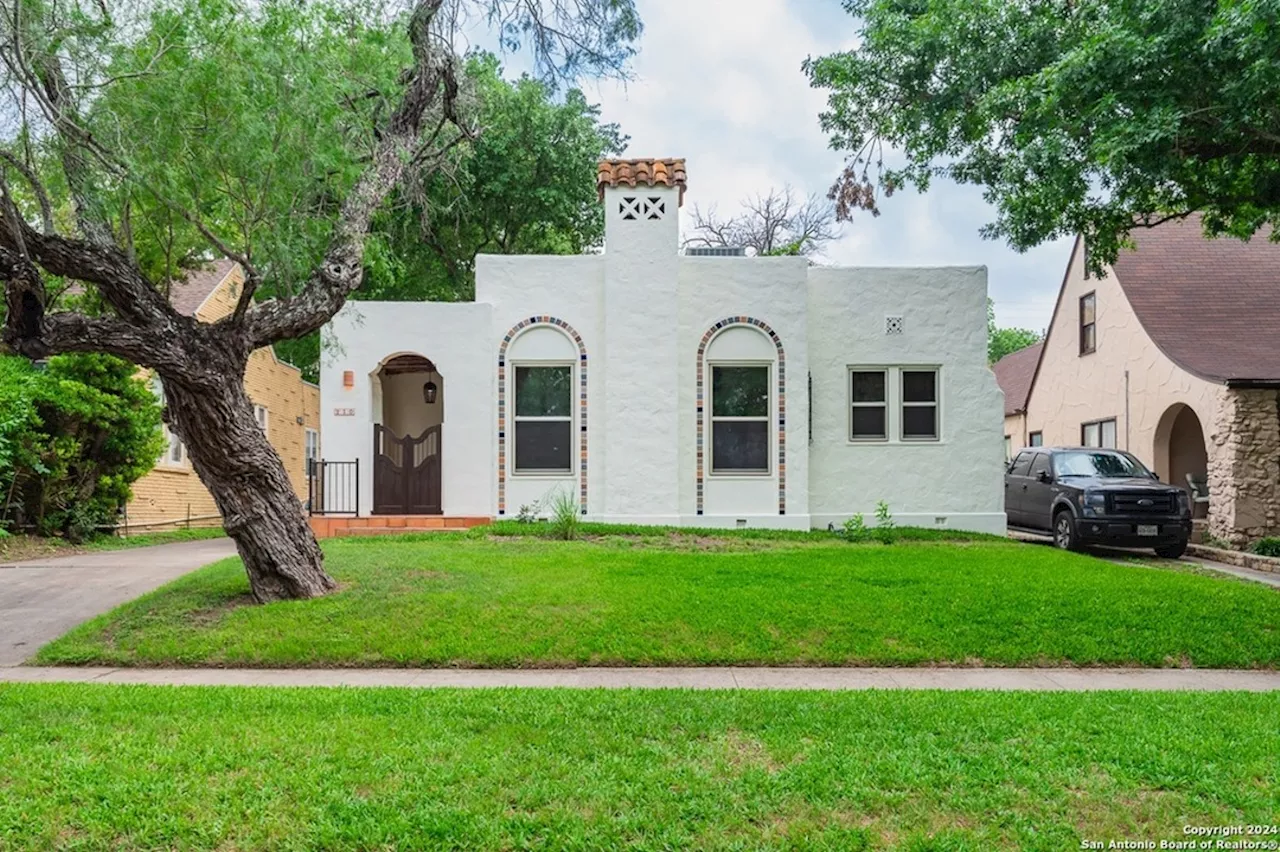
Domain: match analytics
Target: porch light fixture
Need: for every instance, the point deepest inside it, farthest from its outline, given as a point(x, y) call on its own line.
point(429, 391)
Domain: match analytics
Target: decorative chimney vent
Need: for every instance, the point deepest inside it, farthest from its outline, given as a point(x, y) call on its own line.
point(632, 208)
point(716, 251)
point(893, 325)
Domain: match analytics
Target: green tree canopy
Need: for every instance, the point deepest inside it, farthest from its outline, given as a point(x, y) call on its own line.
point(1003, 341)
point(1076, 116)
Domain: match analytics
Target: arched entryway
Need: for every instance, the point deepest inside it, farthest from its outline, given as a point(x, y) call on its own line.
point(409, 415)
point(1180, 450)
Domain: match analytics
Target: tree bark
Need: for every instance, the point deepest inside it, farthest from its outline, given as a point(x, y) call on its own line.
point(236, 462)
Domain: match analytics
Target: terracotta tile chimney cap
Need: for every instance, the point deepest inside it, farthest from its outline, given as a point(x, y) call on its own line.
point(665, 171)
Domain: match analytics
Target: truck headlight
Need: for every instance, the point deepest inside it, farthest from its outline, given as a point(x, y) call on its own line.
point(1093, 502)
point(1184, 503)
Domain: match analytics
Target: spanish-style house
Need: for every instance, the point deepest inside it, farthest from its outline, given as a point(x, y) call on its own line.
point(654, 387)
point(286, 406)
point(1174, 355)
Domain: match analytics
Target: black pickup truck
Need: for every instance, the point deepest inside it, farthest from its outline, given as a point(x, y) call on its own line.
point(1083, 495)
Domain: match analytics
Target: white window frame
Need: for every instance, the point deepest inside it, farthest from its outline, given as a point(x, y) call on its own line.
point(310, 448)
point(903, 405)
point(894, 403)
point(572, 417)
point(709, 403)
point(262, 416)
point(172, 442)
point(885, 404)
point(1099, 426)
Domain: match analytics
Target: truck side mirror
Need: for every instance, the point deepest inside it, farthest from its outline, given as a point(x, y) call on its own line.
point(1045, 477)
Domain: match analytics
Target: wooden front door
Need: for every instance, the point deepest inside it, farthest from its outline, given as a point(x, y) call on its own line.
point(406, 473)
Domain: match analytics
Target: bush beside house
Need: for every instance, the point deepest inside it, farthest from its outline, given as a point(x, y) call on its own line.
point(74, 436)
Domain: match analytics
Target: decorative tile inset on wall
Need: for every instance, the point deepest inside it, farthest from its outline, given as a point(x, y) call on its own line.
point(502, 405)
point(782, 404)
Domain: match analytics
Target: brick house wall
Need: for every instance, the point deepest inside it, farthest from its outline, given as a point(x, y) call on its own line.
point(172, 492)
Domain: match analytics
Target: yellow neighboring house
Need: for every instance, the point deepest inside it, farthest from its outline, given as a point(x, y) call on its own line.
point(286, 406)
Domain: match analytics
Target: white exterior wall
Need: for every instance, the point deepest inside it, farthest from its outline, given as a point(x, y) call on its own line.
point(960, 477)
point(642, 311)
point(772, 290)
point(457, 338)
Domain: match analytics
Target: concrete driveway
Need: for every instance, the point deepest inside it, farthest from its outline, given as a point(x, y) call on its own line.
point(44, 598)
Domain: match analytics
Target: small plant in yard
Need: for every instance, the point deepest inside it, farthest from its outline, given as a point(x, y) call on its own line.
point(855, 529)
point(1267, 546)
point(531, 513)
point(884, 530)
point(564, 516)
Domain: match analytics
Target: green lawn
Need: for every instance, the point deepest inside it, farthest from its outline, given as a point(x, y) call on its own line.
point(165, 767)
point(481, 600)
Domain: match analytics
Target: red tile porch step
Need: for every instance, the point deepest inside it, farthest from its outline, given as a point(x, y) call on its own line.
point(330, 527)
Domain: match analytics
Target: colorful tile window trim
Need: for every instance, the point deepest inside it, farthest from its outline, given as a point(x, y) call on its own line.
point(502, 405)
point(782, 404)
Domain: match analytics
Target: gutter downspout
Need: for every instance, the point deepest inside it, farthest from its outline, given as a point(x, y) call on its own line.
point(1126, 411)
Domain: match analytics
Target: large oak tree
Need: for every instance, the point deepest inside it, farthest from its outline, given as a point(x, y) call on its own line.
point(238, 153)
point(1084, 117)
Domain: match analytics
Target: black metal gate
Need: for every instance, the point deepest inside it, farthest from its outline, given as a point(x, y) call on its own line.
point(406, 473)
point(333, 487)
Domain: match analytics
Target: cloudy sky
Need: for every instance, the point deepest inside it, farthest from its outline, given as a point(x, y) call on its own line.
point(719, 83)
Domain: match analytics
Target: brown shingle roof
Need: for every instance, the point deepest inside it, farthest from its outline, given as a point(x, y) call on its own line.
point(188, 293)
point(1212, 306)
point(1014, 373)
point(648, 171)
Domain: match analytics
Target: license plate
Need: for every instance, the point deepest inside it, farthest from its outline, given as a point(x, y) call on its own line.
point(1148, 529)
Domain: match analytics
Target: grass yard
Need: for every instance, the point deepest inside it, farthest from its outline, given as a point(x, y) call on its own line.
point(479, 599)
point(175, 767)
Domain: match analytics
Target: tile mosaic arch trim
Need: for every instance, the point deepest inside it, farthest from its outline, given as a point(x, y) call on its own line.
point(782, 403)
point(502, 405)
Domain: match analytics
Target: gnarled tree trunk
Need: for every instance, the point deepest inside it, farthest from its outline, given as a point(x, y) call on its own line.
point(236, 462)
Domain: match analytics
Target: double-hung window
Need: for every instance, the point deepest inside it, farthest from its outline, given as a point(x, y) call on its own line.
point(919, 405)
point(893, 404)
point(1100, 433)
point(1088, 323)
point(870, 418)
point(261, 417)
point(544, 418)
point(312, 450)
point(740, 406)
point(175, 452)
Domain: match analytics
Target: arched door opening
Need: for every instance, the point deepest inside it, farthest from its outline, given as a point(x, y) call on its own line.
point(1181, 457)
point(409, 406)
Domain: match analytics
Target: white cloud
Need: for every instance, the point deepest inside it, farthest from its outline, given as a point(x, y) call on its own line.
point(719, 82)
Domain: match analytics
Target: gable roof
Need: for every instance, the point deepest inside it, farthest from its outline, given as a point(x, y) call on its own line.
point(1211, 305)
point(189, 293)
point(1014, 373)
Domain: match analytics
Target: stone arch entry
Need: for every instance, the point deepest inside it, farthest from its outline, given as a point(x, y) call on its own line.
point(407, 445)
point(1180, 448)
point(702, 427)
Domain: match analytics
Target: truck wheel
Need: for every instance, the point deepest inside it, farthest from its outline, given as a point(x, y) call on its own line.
point(1064, 531)
point(1172, 551)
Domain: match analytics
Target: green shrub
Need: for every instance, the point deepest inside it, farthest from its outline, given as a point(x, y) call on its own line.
point(565, 520)
point(1267, 546)
point(885, 528)
point(74, 436)
point(855, 529)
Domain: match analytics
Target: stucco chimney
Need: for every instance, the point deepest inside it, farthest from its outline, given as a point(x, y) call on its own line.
point(642, 201)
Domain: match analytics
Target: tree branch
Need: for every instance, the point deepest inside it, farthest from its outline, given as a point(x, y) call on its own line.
point(42, 197)
point(342, 268)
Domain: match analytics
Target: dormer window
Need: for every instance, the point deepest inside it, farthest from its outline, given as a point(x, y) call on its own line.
point(1088, 323)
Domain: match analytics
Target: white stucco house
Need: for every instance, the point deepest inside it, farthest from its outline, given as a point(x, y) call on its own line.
point(657, 387)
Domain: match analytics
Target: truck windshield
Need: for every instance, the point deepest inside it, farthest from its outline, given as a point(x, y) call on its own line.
point(1098, 463)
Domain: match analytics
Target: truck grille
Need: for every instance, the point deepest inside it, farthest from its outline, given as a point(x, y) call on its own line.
point(1142, 504)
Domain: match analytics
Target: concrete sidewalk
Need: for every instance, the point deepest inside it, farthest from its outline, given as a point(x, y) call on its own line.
point(1037, 680)
point(44, 598)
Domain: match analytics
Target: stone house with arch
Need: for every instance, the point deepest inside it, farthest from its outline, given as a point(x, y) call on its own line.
point(654, 387)
point(1173, 355)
